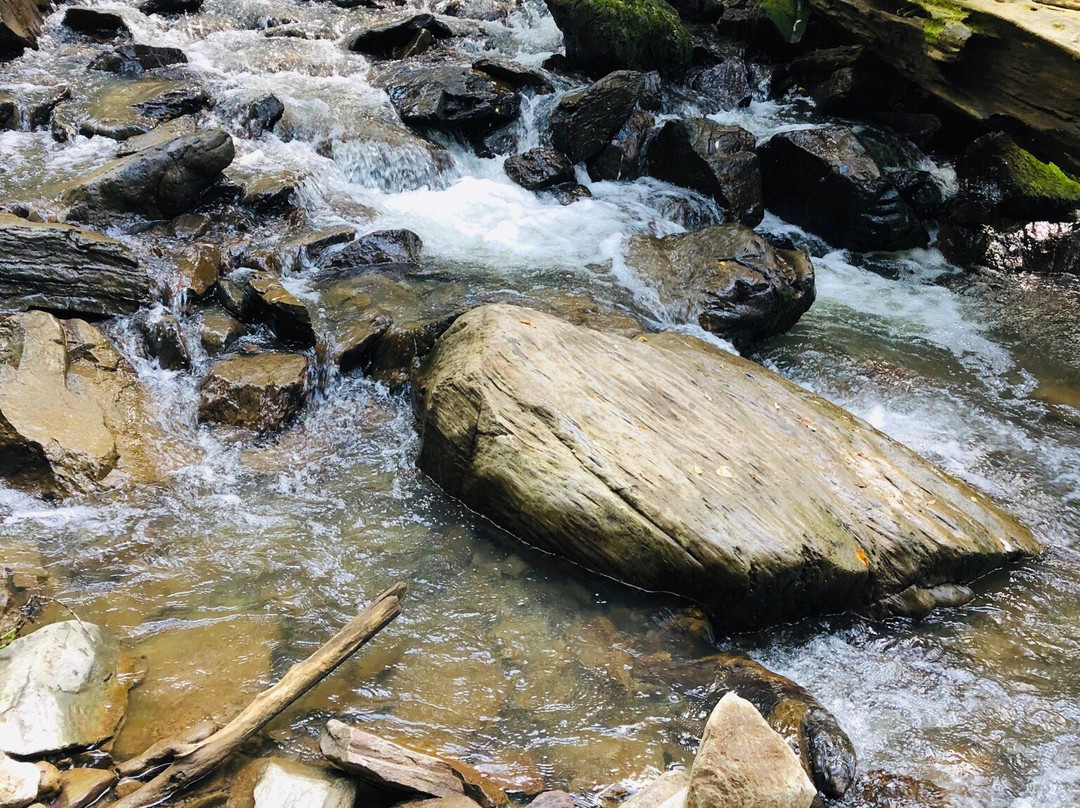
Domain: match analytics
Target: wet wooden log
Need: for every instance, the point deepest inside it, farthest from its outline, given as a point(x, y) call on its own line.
point(193, 761)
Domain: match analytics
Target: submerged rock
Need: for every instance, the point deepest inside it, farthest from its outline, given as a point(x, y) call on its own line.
point(826, 181)
point(587, 120)
point(261, 391)
point(82, 787)
point(786, 504)
point(715, 160)
point(539, 168)
point(667, 790)
point(878, 789)
point(68, 270)
point(726, 278)
point(71, 409)
point(62, 687)
point(163, 338)
point(823, 748)
point(742, 761)
point(159, 182)
point(136, 58)
point(605, 35)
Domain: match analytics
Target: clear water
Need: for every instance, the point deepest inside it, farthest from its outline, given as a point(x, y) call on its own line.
point(254, 554)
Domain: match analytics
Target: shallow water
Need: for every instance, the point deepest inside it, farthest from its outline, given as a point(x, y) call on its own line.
point(249, 558)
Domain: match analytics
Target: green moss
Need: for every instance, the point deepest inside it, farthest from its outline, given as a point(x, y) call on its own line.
point(789, 16)
point(1038, 179)
point(604, 35)
point(942, 14)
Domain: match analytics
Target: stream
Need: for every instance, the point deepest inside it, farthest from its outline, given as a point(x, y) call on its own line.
point(255, 552)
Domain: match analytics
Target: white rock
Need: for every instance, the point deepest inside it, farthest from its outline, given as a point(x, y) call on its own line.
point(18, 782)
point(284, 784)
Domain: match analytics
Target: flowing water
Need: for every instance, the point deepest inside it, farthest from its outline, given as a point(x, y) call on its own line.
point(249, 557)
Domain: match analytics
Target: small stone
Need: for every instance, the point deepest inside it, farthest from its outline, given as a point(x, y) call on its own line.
point(380, 248)
point(18, 782)
point(262, 391)
point(198, 270)
point(287, 315)
point(539, 168)
point(218, 331)
point(553, 799)
point(82, 787)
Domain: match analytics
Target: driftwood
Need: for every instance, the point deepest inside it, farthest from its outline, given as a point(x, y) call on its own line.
point(193, 761)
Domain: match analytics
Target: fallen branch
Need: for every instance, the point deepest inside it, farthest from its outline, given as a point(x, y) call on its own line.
point(193, 761)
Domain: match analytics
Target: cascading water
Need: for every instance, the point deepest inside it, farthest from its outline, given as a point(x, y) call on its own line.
point(255, 551)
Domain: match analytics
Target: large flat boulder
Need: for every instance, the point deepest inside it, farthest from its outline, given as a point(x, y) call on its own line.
point(69, 270)
point(989, 60)
point(159, 182)
point(674, 466)
point(72, 411)
point(62, 687)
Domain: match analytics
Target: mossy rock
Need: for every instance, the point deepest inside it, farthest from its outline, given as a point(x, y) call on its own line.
point(606, 35)
point(1010, 181)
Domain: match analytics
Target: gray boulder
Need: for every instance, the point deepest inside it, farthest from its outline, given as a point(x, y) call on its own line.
point(687, 469)
point(62, 687)
point(728, 279)
point(68, 270)
point(159, 182)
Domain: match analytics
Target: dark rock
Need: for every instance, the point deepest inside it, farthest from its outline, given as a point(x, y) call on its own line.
point(920, 190)
point(68, 270)
point(1044, 247)
point(514, 74)
point(586, 121)
point(917, 602)
point(379, 248)
point(539, 168)
point(824, 749)
point(715, 160)
point(274, 192)
point(29, 109)
point(621, 159)
point(1000, 179)
point(137, 58)
point(307, 247)
point(285, 313)
point(389, 39)
point(728, 278)
point(262, 391)
point(237, 297)
point(826, 181)
point(811, 69)
point(878, 789)
point(170, 6)
point(261, 115)
point(568, 193)
point(20, 25)
point(163, 339)
point(159, 135)
point(605, 35)
point(422, 41)
point(173, 102)
point(95, 23)
point(448, 97)
point(9, 110)
point(158, 183)
point(906, 166)
point(218, 331)
point(725, 85)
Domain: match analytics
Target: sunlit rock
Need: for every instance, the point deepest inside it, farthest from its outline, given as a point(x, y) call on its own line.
point(261, 391)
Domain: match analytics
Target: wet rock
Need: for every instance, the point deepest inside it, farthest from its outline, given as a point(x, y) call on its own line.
point(998, 179)
point(280, 783)
point(261, 115)
point(185, 98)
point(18, 782)
point(12, 618)
point(80, 788)
point(918, 601)
point(61, 687)
point(271, 192)
point(124, 110)
point(20, 25)
point(826, 181)
point(72, 409)
point(136, 58)
point(568, 193)
point(262, 391)
point(621, 159)
point(158, 183)
point(742, 761)
point(586, 121)
point(218, 331)
point(725, 85)
point(237, 297)
point(592, 478)
point(286, 314)
point(1045, 247)
point(30, 108)
point(394, 767)
point(197, 270)
point(448, 97)
point(823, 748)
point(163, 338)
point(715, 160)
point(667, 790)
point(159, 135)
point(539, 168)
point(878, 789)
point(728, 279)
point(170, 6)
point(95, 23)
point(68, 270)
point(391, 39)
point(634, 35)
point(553, 799)
point(378, 249)
point(515, 75)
